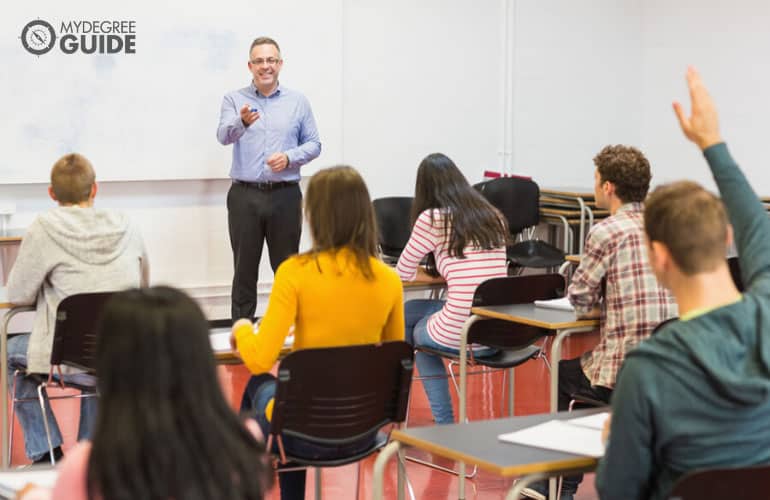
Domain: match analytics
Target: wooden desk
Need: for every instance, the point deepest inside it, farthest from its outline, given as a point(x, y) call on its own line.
point(4, 304)
point(12, 235)
point(563, 323)
point(9, 242)
point(477, 443)
point(582, 196)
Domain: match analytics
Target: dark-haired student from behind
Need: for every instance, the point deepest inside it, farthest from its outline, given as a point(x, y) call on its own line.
point(467, 237)
point(696, 395)
point(164, 429)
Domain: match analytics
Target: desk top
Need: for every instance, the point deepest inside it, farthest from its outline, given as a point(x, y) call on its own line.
point(575, 192)
point(575, 259)
point(11, 235)
point(4, 304)
point(476, 443)
point(423, 285)
point(530, 314)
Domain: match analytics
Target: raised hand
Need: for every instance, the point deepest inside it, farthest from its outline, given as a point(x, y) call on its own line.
point(702, 126)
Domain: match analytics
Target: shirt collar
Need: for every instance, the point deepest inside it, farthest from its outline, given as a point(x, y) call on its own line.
point(256, 90)
point(634, 206)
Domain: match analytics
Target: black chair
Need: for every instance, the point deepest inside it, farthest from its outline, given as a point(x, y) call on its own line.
point(746, 483)
point(394, 222)
point(74, 345)
point(322, 397)
point(518, 199)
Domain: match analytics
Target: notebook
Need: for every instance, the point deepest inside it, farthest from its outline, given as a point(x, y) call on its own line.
point(562, 304)
point(580, 436)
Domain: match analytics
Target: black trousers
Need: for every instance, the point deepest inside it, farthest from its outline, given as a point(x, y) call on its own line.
point(572, 380)
point(254, 216)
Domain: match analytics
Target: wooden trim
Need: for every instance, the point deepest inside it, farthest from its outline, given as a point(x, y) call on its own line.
point(577, 323)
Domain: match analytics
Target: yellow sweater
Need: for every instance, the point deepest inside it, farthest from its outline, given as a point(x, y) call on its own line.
point(330, 303)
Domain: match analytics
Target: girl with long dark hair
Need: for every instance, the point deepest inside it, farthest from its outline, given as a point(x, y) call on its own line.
point(164, 429)
point(466, 237)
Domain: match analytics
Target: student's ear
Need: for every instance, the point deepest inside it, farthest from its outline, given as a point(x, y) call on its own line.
point(94, 189)
point(660, 260)
point(730, 234)
point(51, 194)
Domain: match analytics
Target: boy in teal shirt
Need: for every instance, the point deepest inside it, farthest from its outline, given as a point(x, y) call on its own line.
point(697, 393)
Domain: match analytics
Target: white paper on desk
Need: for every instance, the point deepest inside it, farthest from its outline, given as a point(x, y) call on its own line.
point(561, 304)
point(595, 421)
point(559, 435)
point(220, 341)
point(13, 481)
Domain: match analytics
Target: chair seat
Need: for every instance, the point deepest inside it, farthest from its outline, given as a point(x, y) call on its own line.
point(295, 462)
point(535, 253)
point(501, 359)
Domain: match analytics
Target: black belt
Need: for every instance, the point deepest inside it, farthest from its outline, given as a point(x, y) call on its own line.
point(266, 186)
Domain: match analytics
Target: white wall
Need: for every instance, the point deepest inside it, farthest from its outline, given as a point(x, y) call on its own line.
point(427, 76)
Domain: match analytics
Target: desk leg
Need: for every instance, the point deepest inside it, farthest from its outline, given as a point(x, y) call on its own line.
point(463, 392)
point(556, 357)
point(379, 470)
point(515, 492)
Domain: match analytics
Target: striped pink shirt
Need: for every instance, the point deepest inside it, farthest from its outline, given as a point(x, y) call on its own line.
point(462, 275)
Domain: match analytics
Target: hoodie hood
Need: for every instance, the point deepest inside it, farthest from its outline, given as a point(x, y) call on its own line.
point(108, 232)
point(721, 356)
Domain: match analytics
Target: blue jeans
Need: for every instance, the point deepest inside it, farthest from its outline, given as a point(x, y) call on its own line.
point(259, 392)
point(416, 315)
point(28, 412)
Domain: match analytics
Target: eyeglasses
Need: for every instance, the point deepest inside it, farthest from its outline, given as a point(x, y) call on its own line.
point(270, 61)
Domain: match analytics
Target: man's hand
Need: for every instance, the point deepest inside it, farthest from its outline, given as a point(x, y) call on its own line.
point(248, 116)
point(278, 161)
point(702, 127)
point(594, 313)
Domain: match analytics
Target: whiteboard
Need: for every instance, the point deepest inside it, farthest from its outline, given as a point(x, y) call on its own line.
point(153, 115)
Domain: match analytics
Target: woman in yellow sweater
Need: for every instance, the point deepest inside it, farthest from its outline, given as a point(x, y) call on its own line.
point(338, 293)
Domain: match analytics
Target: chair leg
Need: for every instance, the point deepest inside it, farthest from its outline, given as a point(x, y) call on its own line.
point(13, 414)
point(511, 388)
point(358, 479)
point(317, 483)
point(41, 398)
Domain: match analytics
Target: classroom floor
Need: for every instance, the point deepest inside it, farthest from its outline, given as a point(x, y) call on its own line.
point(531, 396)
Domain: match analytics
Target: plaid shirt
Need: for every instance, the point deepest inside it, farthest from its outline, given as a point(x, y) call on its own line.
point(614, 268)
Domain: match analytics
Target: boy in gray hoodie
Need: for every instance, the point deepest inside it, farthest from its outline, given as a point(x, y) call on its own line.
point(74, 248)
point(697, 393)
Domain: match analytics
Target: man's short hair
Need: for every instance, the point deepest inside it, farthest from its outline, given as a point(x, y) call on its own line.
point(264, 40)
point(690, 222)
point(72, 178)
point(627, 168)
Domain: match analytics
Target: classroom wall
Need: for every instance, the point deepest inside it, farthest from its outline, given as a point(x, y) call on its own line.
point(428, 76)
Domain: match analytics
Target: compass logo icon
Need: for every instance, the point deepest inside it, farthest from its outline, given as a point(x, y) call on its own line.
point(38, 37)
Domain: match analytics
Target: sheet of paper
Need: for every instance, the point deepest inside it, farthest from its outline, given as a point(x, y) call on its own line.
point(561, 304)
point(12, 481)
point(220, 341)
point(595, 421)
point(559, 435)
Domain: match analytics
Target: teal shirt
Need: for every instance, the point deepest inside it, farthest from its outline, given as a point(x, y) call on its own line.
point(697, 393)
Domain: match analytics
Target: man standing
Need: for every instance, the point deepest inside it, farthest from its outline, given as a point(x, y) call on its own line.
point(273, 133)
point(74, 248)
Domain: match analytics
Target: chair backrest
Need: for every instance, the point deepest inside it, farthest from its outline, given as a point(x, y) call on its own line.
point(518, 199)
point(512, 290)
point(77, 318)
point(338, 395)
point(746, 483)
point(394, 223)
point(519, 289)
